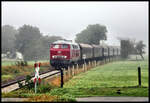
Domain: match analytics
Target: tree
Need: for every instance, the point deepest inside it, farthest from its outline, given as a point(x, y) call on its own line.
point(139, 47)
point(26, 40)
point(43, 46)
point(32, 44)
point(92, 34)
point(129, 46)
point(8, 38)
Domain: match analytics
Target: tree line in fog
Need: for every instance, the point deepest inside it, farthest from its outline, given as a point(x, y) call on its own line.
point(28, 40)
point(33, 45)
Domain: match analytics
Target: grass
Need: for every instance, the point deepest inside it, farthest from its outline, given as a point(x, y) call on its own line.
point(11, 63)
point(112, 79)
point(107, 80)
point(8, 63)
point(11, 72)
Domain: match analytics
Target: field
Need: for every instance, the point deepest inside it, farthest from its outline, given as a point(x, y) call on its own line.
point(118, 78)
point(10, 63)
point(10, 71)
point(112, 79)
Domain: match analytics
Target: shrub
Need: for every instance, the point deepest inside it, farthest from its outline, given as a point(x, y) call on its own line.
point(44, 88)
point(20, 84)
point(29, 82)
point(21, 63)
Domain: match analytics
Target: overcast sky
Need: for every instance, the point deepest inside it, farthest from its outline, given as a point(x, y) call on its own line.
point(66, 19)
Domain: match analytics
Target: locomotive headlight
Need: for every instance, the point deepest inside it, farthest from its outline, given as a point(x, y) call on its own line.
point(54, 57)
point(65, 56)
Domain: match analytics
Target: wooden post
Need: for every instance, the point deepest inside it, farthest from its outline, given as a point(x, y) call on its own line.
point(85, 67)
point(77, 68)
point(89, 65)
point(95, 63)
point(73, 70)
point(68, 71)
point(64, 72)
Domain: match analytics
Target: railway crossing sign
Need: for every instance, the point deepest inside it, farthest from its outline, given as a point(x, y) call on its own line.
point(37, 68)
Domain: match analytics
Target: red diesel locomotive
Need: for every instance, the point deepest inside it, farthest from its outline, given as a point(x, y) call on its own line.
point(64, 53)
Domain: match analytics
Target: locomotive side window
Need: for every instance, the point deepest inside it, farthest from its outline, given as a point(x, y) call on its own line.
point(64, 46)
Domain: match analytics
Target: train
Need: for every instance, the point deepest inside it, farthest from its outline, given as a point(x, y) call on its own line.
point(65, 53)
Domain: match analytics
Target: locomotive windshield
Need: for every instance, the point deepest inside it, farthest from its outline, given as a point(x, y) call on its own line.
point(64, 46)
point(55, 46)
point(58, 46)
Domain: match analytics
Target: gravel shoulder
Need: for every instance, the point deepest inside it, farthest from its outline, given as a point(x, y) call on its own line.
point(113, 99)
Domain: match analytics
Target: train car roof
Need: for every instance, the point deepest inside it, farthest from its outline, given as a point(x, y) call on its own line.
point(104, 46)
point(85, 45)
point(95, 45)
point(115, 46)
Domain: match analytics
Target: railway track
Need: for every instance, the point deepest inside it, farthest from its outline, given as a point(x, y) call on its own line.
point(13, 85)
point(21, 78)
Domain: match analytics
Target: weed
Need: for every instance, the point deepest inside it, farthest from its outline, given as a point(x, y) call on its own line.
point(44, 88)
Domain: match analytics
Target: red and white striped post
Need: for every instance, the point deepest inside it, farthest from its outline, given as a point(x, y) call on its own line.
point(37, 68)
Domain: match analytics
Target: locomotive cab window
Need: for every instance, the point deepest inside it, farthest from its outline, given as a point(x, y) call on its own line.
point(55, 46)
point(64, 46)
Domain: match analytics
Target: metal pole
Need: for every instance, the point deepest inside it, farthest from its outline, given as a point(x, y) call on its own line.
point(139, 76)
point(36, 86)
point(62, 82)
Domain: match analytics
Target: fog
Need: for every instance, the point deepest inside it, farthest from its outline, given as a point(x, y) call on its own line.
point(66, 19)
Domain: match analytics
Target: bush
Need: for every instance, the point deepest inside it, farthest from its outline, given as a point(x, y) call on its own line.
point(20, 84)
point(44, 88)
point(21, 63)
point(29, 82)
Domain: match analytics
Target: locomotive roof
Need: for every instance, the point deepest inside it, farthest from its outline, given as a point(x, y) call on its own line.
point(64, 42)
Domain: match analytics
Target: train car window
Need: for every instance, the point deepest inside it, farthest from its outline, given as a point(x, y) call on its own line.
point(75, 47)
point(64, 46)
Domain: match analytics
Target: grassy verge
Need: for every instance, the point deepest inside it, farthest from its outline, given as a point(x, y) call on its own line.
point(12, 63)
point(11, 72)
point(112, 79)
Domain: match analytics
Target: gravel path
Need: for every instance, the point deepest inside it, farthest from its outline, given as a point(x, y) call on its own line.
point(13, 99)
point(113, 99)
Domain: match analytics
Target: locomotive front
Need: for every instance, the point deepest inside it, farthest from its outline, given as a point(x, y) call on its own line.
point(59, 54)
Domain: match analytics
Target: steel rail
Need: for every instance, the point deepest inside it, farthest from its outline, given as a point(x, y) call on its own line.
point(14, 85)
